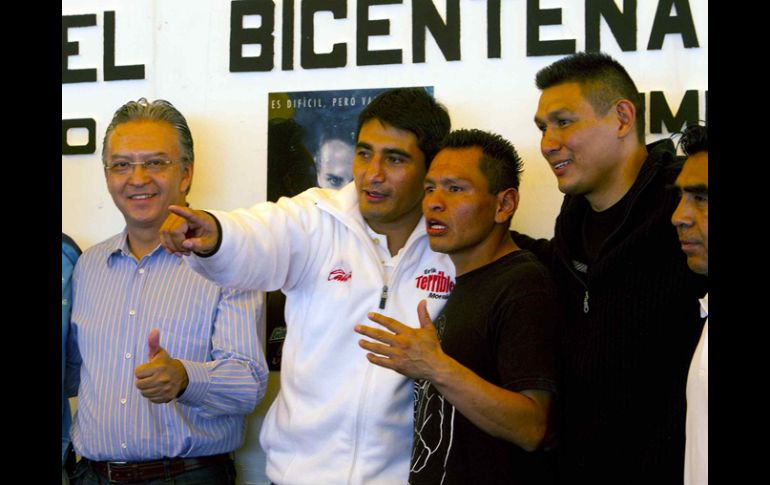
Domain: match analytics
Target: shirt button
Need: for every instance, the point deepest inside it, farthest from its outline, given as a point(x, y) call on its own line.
point(128, 355)
point(123, 401)
point(141, 270)
point(376, 241)
point(132, 312)
point(123, 445)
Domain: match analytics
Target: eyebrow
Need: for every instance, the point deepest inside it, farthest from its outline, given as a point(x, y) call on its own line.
point(697, 189)
point(386, 151)
point(552, 114)
point(446, 180)
point(397, 151)
point(149, 155)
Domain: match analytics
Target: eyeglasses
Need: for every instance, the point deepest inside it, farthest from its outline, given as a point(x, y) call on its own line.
point(124, 167)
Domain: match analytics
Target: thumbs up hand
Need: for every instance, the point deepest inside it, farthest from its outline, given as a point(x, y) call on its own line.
point(153, 343)
point(161, 378)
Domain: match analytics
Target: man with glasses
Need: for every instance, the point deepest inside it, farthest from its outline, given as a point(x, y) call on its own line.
point(168, 363)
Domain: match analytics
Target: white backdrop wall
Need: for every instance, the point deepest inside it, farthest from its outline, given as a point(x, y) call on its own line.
point(184, 48)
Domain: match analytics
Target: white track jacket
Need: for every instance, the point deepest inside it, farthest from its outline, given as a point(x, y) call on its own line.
point(338, 419)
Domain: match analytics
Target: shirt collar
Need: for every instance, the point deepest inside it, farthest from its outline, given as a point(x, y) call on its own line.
point(704, 306)
point(118, 247)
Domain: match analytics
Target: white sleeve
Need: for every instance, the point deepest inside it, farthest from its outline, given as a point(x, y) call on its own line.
point(263, 247)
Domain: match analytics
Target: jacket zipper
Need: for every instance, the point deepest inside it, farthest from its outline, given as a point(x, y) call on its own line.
point(383, 302)
point(357, 437)
point(586, 308)
point(383, 297)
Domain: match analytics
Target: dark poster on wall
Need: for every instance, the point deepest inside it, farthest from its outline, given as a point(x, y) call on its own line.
point(311, 138)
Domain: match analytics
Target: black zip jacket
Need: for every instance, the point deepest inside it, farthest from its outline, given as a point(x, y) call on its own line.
point(632, 322)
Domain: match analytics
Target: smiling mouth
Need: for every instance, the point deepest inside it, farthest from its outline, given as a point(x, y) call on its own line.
point(141, 196)
point(561, 164)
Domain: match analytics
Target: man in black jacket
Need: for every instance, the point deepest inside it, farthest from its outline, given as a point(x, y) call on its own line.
point(632, 318)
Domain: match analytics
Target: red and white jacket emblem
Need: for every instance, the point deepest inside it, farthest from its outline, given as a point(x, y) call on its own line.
point(339, 274)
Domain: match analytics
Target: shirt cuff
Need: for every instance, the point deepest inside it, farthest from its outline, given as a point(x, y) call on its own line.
point(197, 383)
point(219, 262)
point(219, 239)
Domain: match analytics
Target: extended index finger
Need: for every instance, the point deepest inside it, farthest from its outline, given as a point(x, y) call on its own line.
point(185, 213)
point(174, 230)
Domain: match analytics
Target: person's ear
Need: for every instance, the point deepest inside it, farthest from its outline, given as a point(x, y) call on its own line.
point(626, 116)
point(187, 175)
point(507, 203)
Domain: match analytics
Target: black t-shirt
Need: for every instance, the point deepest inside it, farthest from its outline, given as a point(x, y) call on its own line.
point(498, 322)
point(598, 226)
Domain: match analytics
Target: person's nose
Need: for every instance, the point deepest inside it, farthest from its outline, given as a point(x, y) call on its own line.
point(682, 216)
point(138, 175)
point(375, 169)
point(550, 142)
point(432, 201)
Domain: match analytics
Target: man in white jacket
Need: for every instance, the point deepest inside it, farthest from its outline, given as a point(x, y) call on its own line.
point(337, 255)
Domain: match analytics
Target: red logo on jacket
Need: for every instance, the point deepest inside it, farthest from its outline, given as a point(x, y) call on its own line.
point(339, 275)
point(436, 283)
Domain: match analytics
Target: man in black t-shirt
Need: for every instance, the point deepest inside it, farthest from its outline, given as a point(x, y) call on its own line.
point(484, 369)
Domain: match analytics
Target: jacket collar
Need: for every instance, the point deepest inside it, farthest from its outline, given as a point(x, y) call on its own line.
point(343, 205)
point(660, 155)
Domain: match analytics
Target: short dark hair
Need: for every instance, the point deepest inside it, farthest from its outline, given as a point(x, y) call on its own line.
point(410, 109)
point(158, 110)
point(602, 80)
point(500, 163)
point(694, 139)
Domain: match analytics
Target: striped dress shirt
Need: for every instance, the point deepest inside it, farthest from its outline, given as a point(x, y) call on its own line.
point(216, 333)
